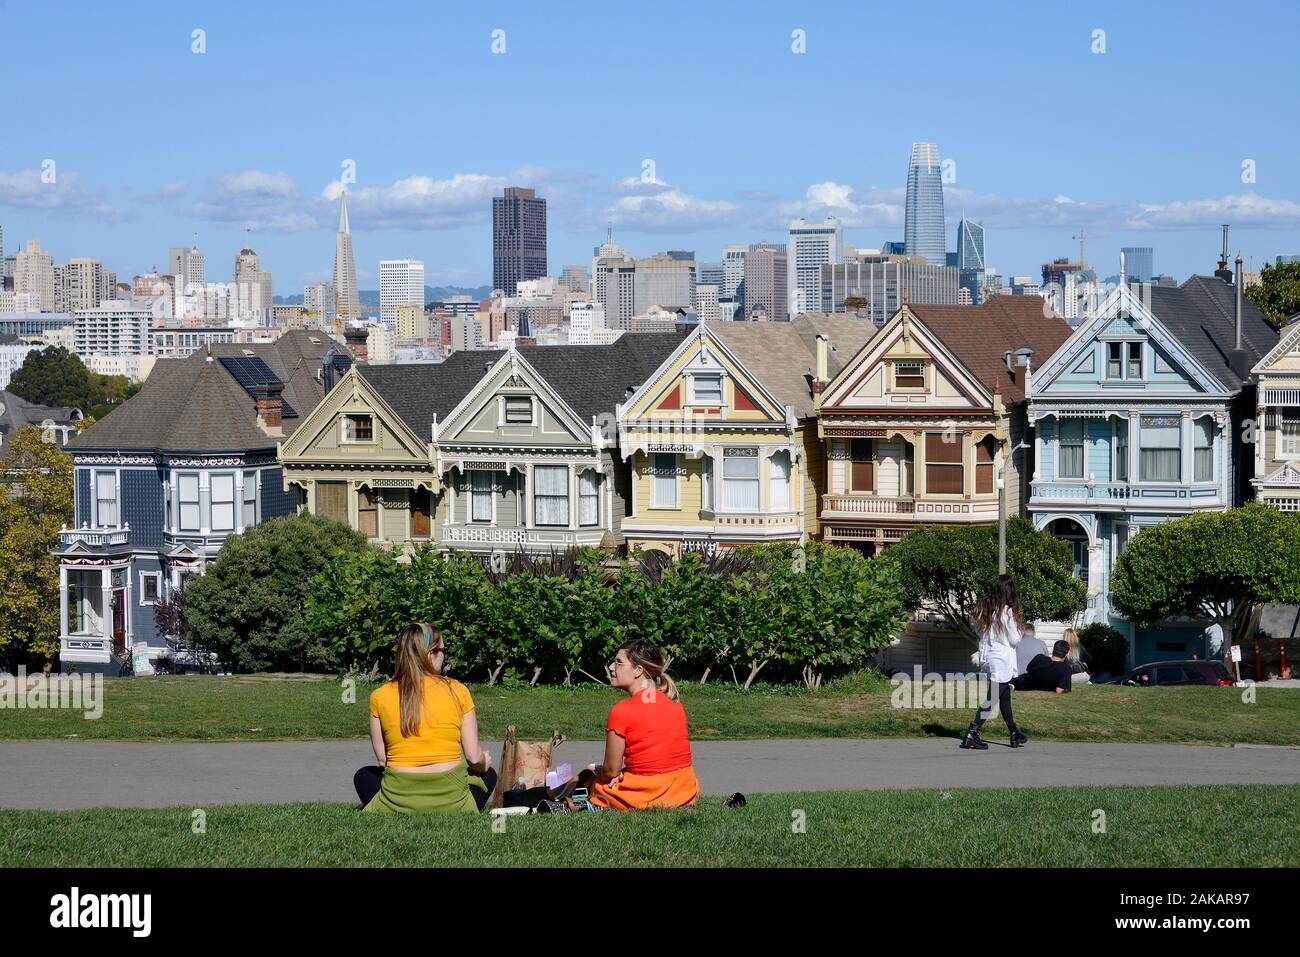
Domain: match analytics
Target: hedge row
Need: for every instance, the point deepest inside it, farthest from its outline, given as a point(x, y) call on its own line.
point(804, 611)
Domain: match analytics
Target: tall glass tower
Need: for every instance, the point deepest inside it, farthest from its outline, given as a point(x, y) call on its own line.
point(923, 228)
point(970, 259)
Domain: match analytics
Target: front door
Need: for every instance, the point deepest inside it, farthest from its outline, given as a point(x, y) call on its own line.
point(119, 621)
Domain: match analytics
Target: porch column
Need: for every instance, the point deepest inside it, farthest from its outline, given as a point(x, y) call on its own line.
point(1134, 438)
point(918, 480)
point(63, 599)
point(1261, 436)
point(1185, 435)
point(526, 500)
point(239, 500)
point(106, 588)
point(573, 497)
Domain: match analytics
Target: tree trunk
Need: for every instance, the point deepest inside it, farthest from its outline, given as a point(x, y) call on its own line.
point(493, 675)
point(568, 676)
point(705, 677)
point(811, 679)
point(537, 673)
point(754, 668)
point(734, 680)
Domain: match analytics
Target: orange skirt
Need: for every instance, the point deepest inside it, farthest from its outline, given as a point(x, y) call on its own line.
point(634, 792)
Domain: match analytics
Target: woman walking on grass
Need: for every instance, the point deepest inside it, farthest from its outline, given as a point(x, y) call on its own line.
point(998, 620)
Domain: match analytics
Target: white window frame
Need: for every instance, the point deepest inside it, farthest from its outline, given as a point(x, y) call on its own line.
point(1119, 375)
point(505, 409)
point(1119, 462)
point(252, 479)
point(115, 476)
point(490, 491)
point(778, 482)
point(729, 481)
point(592, 497)
point(158, 585)
point(897, 364)
point(694, 397)
point(213, 503)
point(1083, 445)
point(1212, 448)
point(656, 488)
point(197, 503)
point(538, 497)
point(1288, 445)
point(1140, 360)
point(1181, 479)
point(347, 434)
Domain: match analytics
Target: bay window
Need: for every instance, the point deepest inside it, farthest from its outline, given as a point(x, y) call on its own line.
point(1070, 445)
point(984, 465)
point(1119, 468)
point(663, 480)
point(106, 511)
point(780, 487)
point(551, 495)
point(367, 513)
point(588, 498)
point(249, 513)
point(861, 465)
point(1204, 450)
point(1161, 455)
point(944, 472)
point(187, 497)
point(223, 501)
point(1290, 428)
point(740, 479)
point(480, 494)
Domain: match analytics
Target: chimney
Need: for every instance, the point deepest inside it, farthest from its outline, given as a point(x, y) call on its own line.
point(268, 401)
point(1222, 272)
point(1237, 358)
point(821, 378)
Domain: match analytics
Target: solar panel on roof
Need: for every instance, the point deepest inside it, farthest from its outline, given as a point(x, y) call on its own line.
point(252, 371)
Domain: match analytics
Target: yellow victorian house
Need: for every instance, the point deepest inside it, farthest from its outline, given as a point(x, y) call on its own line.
point(721, 440)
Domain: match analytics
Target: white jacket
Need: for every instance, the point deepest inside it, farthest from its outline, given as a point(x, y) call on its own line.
point(997, 655)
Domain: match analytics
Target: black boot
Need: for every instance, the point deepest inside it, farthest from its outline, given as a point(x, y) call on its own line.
point(1018, 739)
point(972, 740)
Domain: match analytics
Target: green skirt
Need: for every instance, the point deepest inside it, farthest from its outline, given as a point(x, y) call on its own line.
point(443, 792)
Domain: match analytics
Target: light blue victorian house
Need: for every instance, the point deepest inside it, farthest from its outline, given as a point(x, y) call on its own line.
point(1137, 420)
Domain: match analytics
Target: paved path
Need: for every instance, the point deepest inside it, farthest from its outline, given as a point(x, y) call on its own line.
point(59, 775)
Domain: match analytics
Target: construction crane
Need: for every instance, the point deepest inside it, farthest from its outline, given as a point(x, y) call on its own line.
point(1083, 238)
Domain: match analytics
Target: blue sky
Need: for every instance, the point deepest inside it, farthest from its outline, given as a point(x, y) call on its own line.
point(1142, 144)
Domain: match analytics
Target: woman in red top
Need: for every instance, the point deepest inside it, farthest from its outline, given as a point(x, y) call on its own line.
point(647, 750)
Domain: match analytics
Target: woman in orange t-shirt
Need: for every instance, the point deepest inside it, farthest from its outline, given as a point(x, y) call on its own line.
point(647, 749)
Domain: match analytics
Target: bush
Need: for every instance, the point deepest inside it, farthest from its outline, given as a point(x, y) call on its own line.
point(808, 610)
point(249, 609)
point(1107, 648)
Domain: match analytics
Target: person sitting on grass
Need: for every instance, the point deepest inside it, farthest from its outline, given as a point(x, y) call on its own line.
point(424, 731)
point(647, 750)
point(1047, 674)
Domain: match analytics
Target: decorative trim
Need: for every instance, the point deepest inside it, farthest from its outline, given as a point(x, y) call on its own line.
point(115, 459)
point(208, 462)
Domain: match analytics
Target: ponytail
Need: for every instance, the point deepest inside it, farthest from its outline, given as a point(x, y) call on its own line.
point(651, 660)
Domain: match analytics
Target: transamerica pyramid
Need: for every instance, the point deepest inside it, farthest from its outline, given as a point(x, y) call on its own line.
point(345, 267)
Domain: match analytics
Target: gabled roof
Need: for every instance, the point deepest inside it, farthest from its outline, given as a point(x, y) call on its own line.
point(190, 405)
point(980, 336)
point(590, 379)
point(1201, 315)
point(1288, 339)
point(783, 355)
point(16, 412)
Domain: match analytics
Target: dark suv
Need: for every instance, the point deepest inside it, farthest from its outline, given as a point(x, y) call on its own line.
point(1166, 673)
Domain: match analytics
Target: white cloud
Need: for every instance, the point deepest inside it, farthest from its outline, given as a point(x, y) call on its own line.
point(421, 201)
point(874, 207)
point(66, 196)
point(652, 205)
point(1244, 209)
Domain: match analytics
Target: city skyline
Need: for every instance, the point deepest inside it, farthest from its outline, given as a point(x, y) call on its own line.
point(128, 207)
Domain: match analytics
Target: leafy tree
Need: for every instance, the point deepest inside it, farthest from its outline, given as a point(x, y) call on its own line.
point(1107, 648)
point(35, 502)
point(249, 608)
point(54, 376)
point(945, 569)
point(1215, 565)
point(1277, 294)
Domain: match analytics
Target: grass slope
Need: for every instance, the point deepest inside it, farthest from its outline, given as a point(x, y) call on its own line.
point(257, 708)
point(1180, 826)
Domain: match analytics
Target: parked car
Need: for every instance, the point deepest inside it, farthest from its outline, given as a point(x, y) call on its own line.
point(1166, 673)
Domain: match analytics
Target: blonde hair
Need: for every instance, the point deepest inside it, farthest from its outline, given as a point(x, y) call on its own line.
point(415, 643)
point(648, 658)
point(1071, 638)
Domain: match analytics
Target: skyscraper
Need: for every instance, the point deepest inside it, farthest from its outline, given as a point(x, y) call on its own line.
point(518, 238)
point(812, 245)
point(401, 283)
point(970, 259)
point(187, 266)
point(765, 281)
point(733, 269)
point(321, 303)
point(34, 275)
point(345, 268)
point(923, 227)
point(250, 289)
point(1139, 263)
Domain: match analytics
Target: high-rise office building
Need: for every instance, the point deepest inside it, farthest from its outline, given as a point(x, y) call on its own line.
point(923, 226)
point(1139, 263)
point(401, 283)
point(874, 284)
point(345, 268)
point(250, 290)
point(664, 280)
point(811, 246)
point(765, 281)
point(321, 304)
point(615, 285)
point(707, 307)
point(733, 269)
point(575, 279)
point(711, 274)
point(187, 266)
point(971, 264)
point(34, 276)
point(518, 238)
point(409, 321)
point(83, 284)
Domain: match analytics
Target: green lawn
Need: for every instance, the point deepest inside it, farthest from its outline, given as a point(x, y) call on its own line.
point(1180, 826)
point(255, 708)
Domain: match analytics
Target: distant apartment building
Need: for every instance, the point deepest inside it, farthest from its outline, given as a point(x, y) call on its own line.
point(13, 353)
point(707, 306)
point(250, 290)
point(401, 283)
point(115, 328)
point(379, 345)
point(665, 280)
point(187, 266)
point(575, 279)
point(733, 269)
point(811, 246)
point(518, 238)
point(411, 322)
point(34, 277)
point(177, 342)
point(766, 276)
point(321, 304)
point(1025, 286)
point(873, 285)
point(587, 325)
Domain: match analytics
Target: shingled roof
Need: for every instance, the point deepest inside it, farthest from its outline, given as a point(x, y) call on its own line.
point(591, 379)
point(16, 413)
point(1201, 315)
point(980, 336)
point(193, 405)
point(783, 355)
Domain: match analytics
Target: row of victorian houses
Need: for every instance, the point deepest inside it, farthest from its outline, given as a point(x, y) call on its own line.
point(712, 436)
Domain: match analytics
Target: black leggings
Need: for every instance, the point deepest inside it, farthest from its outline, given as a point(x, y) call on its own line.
point(367, 782)
point(1002, 689)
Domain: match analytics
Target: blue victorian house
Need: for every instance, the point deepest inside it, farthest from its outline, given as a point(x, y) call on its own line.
point(1137, 420)
point(162, 481)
